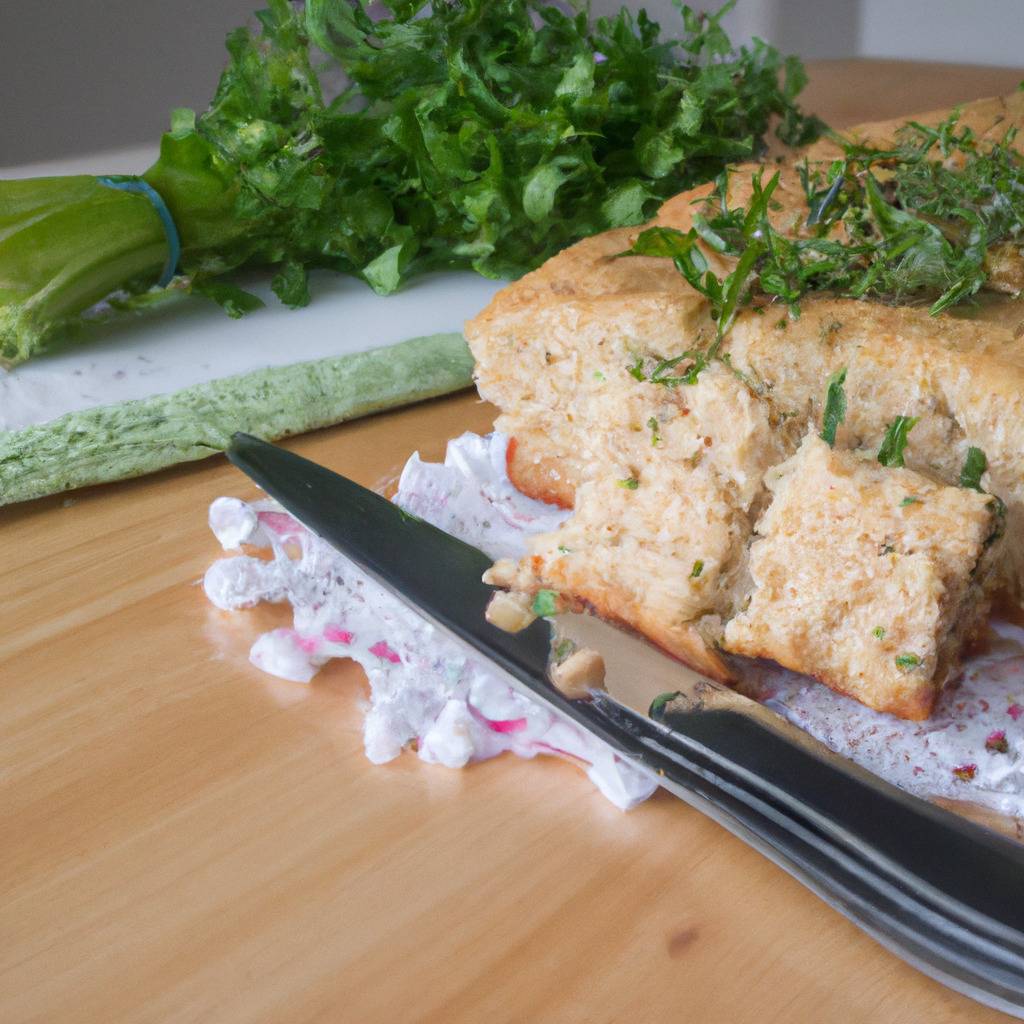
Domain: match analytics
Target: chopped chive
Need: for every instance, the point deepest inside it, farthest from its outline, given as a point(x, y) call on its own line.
point(631, 483)
point(907, 661)
point(910, 499)
point(545, 603)
point(652, 423)
point(698, 568)
point(878, 633)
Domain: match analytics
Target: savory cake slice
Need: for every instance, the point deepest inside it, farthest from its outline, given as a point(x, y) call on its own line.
point(870, 579)
point(584, 354)
point(661, 521)
point(962, 380)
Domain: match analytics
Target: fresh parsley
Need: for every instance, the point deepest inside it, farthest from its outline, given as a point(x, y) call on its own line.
point(657, 709)
point(907, 661)
point(835, 406)
point(975, 464)
point(545, 603)
point(890, 453)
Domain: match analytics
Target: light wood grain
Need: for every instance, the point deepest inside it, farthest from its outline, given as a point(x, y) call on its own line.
point(186, 839)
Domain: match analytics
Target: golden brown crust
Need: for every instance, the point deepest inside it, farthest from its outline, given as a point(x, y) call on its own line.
point(615, 604)
point(539, 475)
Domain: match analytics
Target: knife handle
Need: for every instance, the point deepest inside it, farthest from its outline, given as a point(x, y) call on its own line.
point(942, 892)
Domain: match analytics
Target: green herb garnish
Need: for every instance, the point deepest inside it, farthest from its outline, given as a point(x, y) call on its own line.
point(911, 223)
point(907, 661)
point(895, 441)
point(732, 232)
point(563, 649)
point(545, 603)
point(974, 466)
point(482, 134)
point(910, 499)
point(563, 550)
point(599, 376)
point(698, 568)
point(630, 483)
point(658, 705)
point(835, 407)
point(878, 633)
point(652, 424)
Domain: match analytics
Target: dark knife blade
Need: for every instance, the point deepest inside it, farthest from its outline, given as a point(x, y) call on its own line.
point(943, 893)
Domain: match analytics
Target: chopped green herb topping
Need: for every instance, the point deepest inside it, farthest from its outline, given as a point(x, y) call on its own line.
point(901, 224)
point(835, 406)
point(895, 441)
point(563, 649)
point(736, 233)
point(631, 483)
point(910, 499)
point(564, 550)
point(907, 661)
point(878, 633)
point(694, 359)
point(658, 705)
point(599, 376)
point(545, 603)
point(974, 465)
point(655, 436)
point(698, 568)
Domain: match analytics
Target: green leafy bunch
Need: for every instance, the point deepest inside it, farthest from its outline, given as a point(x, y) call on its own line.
point(482, 134)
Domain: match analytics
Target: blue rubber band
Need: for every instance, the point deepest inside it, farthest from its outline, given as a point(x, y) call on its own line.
point(143, 188)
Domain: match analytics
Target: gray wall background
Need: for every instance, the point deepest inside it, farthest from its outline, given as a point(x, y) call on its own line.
point(78, 76)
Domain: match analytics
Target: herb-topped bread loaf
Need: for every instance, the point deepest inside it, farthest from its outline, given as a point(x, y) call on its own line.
point(653, 396)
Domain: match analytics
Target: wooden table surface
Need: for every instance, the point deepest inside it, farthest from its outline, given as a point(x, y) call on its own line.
point(183, 838)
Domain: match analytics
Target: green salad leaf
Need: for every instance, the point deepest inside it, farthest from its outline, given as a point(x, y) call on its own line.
point(478, 134)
